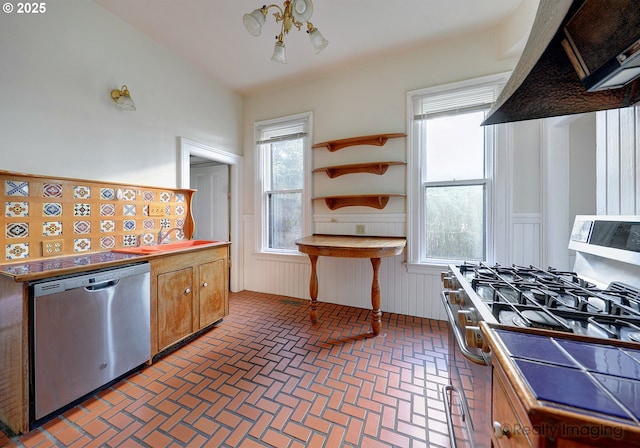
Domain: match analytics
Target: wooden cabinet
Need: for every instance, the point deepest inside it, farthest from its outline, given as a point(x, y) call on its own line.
point(175, 306)
point(213, 291)
point(189, 291)
point(511, 425)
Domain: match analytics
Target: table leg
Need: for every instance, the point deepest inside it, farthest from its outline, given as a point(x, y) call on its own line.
point(376, 317)
point(313, 289)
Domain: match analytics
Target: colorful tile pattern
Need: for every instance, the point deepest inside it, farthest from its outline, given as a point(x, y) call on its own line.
point(107, 210)
point(82, 227)
point(81, 209)
point(148, 238)
point(107, 242)
point(17, 229)
point(52, 209)
point(107, 194)
point(16, 188)
point(129, 210)
point(129, 195)
point(32, 203)
point(51, 228)
point(107, 225)
point(52, 190)
point(81, 192)
point(16, 209)
point(81, 244)
point(17, 251)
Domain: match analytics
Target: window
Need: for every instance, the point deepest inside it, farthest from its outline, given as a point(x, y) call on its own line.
point(282, 148)
point(451, 171)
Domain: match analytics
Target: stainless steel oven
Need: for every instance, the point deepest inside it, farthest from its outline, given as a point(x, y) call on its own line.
point(599, 298)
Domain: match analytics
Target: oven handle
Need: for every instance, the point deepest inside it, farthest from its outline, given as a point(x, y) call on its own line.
point(478, 359)
point(447, 412)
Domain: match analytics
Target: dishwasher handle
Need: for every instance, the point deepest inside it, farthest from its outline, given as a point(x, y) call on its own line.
point(101, 286)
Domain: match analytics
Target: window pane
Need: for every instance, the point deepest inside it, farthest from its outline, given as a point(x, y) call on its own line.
point(285, 219)
point(455, 147)
point(286, 165)
point(455, 222)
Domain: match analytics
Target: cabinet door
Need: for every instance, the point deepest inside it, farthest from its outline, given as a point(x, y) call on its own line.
point(175, 307)
point(213, 291)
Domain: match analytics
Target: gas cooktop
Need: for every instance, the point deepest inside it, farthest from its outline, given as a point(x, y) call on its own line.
point(556, 300)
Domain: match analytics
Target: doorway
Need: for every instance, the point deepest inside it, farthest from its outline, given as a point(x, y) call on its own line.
point(207, 154)
point(210, 203)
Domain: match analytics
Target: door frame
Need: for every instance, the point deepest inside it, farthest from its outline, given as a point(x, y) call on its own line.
point(187, 148)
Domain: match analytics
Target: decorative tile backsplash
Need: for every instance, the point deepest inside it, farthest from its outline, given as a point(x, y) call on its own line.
point(47, 217)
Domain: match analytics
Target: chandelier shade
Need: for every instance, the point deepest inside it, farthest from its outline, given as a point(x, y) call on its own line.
point(292, 13)
point(253, 21)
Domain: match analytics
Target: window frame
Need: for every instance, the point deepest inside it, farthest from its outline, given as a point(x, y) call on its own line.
point(497, 150)
point(262, 176)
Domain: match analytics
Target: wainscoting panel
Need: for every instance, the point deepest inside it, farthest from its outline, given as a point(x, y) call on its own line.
point(618, 161)
point(388, 224)
point(526, 239)
point(344, 281)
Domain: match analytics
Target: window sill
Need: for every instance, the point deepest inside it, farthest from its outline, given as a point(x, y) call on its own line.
point(281, 256)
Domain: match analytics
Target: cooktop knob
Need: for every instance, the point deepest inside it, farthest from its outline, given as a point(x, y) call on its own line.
point(468, 317)
point(457, 297)
point(473, 337)
point(450, 282)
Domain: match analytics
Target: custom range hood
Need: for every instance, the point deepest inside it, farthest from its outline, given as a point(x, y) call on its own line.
point(581, 56)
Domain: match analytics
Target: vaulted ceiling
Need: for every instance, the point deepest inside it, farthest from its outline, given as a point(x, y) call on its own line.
point(210, 34)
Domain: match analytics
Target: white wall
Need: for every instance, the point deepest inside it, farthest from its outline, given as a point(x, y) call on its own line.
point(360, 101)
point(56, 114)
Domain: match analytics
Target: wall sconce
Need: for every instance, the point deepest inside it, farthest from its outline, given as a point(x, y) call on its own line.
point(122, 98)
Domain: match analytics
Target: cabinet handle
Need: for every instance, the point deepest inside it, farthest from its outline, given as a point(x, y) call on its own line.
point(205, 284)
point(499, 431)
point(187, 291)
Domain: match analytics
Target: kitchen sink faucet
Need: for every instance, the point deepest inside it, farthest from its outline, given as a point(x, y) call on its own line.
point(163, 237)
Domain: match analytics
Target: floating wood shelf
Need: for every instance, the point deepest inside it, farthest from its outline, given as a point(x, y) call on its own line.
point(372, 167)
point(375, 140)
point(378, 201)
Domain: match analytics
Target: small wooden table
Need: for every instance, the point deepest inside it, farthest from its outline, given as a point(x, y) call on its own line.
point(374, 248)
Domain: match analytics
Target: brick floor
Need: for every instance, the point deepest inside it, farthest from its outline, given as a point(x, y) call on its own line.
point(265, 376)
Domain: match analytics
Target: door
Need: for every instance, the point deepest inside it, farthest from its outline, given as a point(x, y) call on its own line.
point(211, 202)
point(175, 306)
point(213, 285)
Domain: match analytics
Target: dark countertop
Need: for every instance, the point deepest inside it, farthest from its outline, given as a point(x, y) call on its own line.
point(52, 267)
point(560, 376)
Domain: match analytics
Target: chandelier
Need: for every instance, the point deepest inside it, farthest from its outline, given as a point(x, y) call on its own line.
point(292, 13)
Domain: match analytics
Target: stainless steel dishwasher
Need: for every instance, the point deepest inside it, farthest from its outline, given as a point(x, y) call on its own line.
point(88, 329)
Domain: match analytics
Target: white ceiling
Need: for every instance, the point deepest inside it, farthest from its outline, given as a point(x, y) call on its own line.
point(210, 33)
